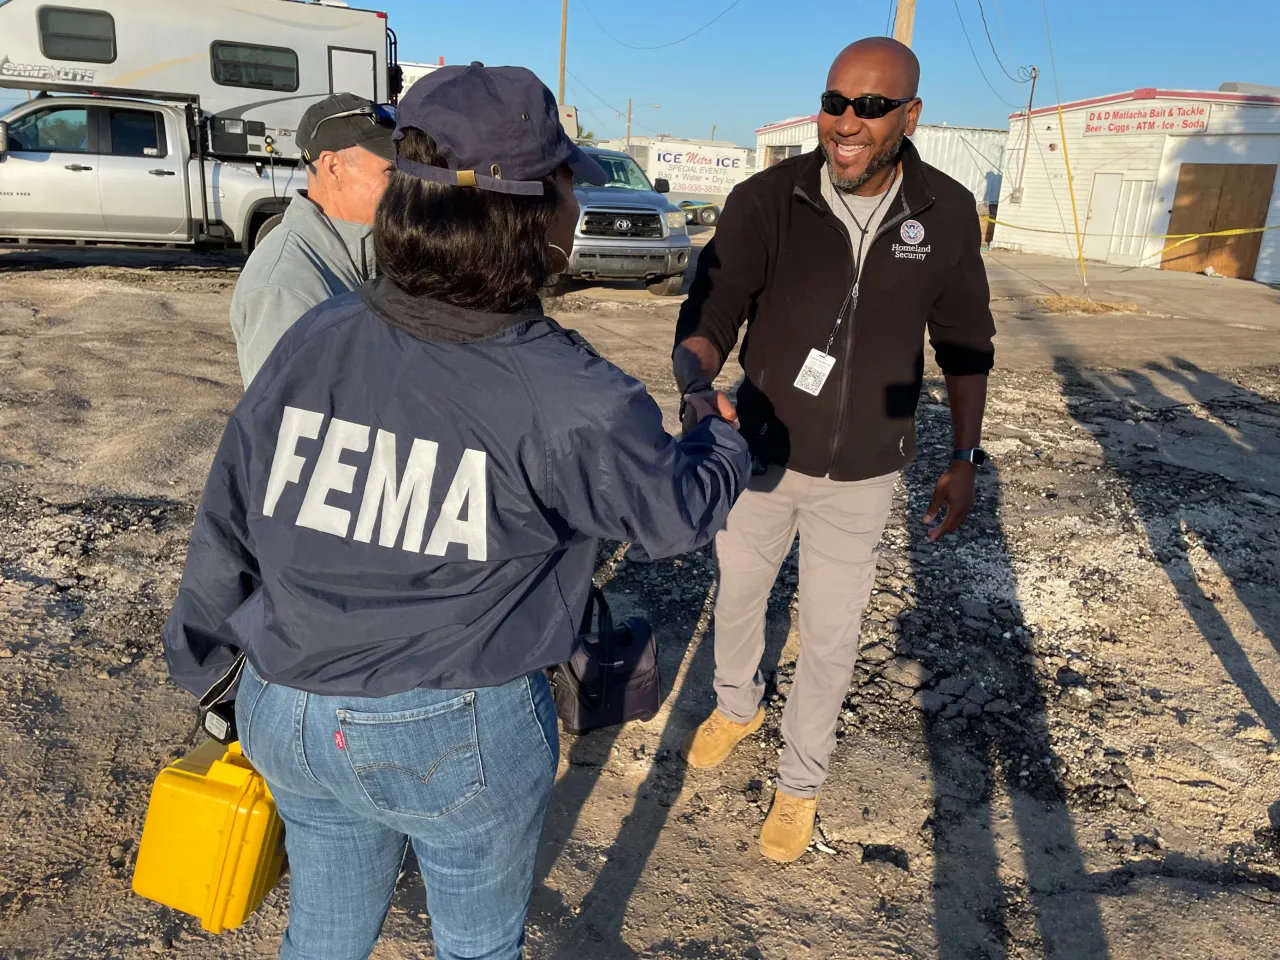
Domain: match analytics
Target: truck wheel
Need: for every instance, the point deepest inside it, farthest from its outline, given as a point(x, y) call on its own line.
point(264, 228)
point(667, 286)
point(707, 216)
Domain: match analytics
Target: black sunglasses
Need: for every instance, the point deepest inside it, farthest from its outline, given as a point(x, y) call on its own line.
point(869, 107)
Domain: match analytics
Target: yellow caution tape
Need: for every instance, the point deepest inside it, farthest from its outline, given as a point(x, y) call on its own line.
point(1180, 237)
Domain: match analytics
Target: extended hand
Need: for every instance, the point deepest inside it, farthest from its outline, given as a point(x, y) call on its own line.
point(710, 403)
point(955, 492)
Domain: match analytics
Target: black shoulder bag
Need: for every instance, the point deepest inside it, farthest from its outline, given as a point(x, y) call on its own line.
point(612, 677)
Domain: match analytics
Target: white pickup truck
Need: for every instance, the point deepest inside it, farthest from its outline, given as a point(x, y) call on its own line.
point(99, 169)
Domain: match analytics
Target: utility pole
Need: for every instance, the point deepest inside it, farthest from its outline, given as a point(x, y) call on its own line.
point(906, 21)
point(713, 132)
point(564, 36)
point(1016, 195)
point(628, 124)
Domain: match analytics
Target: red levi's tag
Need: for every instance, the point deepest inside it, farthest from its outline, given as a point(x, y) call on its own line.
point(340, 741)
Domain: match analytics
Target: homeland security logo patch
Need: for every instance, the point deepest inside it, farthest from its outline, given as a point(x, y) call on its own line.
point(912, 232)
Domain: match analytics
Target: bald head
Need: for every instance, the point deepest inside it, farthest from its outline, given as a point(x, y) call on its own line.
point(878, 57)
point(863, 142)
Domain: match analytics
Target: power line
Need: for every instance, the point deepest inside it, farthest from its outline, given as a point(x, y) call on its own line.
point(593, 93)
point(603, 124)
point(888, 23)
point(977, 62)
point(1075, 213)
point(1024, 75)
point(1052, 63)
point(609, 106)
point(660, 46)
point(1005, 31)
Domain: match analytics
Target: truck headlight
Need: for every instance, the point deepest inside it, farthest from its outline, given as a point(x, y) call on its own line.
point(675, 218)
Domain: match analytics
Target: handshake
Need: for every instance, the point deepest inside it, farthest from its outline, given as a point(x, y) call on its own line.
point(701, 400)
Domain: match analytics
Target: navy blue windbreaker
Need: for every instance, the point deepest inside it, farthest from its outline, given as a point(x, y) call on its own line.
point(410, 494)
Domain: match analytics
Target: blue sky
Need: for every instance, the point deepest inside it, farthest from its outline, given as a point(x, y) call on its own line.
point(767, 59)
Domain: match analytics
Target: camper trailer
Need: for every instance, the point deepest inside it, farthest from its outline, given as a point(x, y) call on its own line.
point(170, 121)
point(252, 66)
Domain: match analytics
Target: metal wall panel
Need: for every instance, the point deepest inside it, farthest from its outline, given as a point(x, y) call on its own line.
point(972, 155)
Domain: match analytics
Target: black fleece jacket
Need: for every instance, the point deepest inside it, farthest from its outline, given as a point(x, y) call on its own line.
point(782, 261)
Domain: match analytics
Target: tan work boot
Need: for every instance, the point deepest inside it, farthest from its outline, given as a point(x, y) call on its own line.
point(788, 828)
point(714, 740)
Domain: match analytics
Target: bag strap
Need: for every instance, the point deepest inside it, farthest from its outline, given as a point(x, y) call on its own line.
point(598, 610)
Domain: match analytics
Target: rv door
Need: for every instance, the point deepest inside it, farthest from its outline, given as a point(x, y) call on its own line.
point(50, 174)
point(353, 71)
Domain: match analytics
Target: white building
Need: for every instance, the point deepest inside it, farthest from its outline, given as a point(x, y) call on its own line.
point(696, 169)
point(1146, 163)
point(973, 155)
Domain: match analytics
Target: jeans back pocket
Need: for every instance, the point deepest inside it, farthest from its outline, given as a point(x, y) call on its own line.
point(422, 762)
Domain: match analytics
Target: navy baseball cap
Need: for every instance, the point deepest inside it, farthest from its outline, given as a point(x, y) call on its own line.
point(498, 128)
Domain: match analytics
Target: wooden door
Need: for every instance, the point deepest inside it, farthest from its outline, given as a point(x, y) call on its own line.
point(1220, 196)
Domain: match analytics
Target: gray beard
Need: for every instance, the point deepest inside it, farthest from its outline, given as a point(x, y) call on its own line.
point(879, 162)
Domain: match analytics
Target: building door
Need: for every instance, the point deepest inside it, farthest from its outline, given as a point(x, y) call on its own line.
point(1100, 221)
point(353, 71)
point(1219, 196)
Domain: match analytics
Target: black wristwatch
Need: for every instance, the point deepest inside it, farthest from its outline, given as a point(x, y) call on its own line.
point(695, 386)
point(975, 455)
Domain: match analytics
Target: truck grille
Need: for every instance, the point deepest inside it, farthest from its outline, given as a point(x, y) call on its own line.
point(621, 223)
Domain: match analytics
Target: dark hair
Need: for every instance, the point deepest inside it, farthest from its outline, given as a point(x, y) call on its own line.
point(460, 245)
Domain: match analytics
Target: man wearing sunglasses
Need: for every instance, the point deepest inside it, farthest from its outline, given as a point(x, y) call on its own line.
point(321, 247)
point(839, 262)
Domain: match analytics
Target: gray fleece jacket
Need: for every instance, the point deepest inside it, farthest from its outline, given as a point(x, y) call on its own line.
point(300, 264)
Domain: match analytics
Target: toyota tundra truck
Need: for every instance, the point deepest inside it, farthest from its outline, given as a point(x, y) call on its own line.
point(628, 230)
point(100, 169)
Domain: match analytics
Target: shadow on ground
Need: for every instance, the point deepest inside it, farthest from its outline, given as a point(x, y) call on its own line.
point(1134, 415)
point(594, 927)
point(990, 735)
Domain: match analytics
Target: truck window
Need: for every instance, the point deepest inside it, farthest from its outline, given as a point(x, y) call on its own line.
point(622, 172)
point(51, 130)
point(70, 34)
point(137, 133)
point(245, 65)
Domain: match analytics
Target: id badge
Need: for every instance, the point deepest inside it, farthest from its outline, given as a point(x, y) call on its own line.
point(815, 371)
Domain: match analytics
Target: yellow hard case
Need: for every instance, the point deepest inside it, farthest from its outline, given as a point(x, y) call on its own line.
point(213, 843)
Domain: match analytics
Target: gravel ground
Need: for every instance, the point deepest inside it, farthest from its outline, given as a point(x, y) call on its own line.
point(1061, 740)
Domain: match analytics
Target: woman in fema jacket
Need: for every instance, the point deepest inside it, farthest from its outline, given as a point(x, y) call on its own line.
point(399, 531)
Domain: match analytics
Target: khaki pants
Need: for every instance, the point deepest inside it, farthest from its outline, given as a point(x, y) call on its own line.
point(839, 526)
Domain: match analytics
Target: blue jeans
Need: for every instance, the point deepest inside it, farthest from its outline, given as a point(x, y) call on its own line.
point(465, 775)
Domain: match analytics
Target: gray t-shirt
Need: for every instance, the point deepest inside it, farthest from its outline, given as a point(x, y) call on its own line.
point(857, 213)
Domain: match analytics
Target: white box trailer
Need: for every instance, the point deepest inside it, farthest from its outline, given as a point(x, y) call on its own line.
point(411, 72)
point(696, 169)
point(251, 67)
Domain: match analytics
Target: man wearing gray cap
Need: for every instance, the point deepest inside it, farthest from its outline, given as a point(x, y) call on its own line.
point(321, 247)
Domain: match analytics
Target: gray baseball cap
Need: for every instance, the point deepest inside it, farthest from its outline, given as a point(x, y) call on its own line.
point(345, 120)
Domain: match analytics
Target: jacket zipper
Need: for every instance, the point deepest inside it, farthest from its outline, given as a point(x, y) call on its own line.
point(852, 298)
